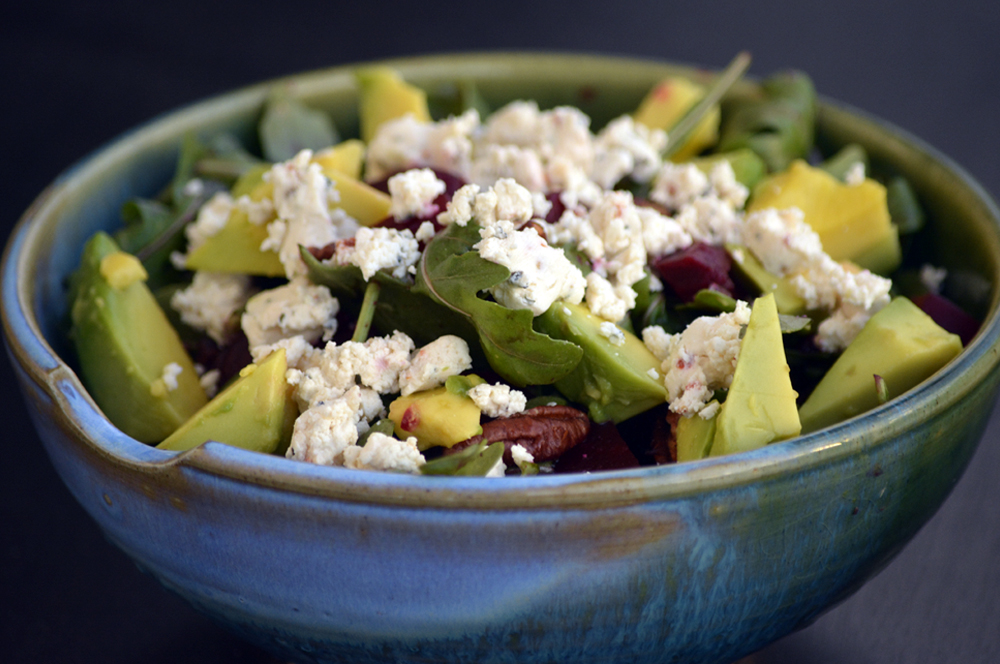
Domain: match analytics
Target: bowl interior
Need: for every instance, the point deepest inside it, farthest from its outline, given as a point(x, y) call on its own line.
point(44, 249)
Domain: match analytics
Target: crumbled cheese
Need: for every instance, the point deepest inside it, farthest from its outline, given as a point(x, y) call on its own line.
point(326, 429)
point(932, 277)
point(539, 274)
point(625, 147)
point(167, 382)
point(212, 218)
point(498, 400)
point(612, 333)
point(521, 456)
point(496, 162)
point(653, 373)
point(786, 245)
point(397, 146)
point(711, 220)
point(302, 199)
point(677, 185)
point(855, 175)
point(499, 469)
point(211, 302)
point(382, 452)
point(413, 193)
point(257, 212)
point(376, 364)
point(209, 381)
point(299, 352)
point(297, 308)
point(608, 301)
point(726, 187)
point(380, 248)
point(170, 373)
point(661, 235)
point(425, 232)
point(700, 359)
point(433, 364)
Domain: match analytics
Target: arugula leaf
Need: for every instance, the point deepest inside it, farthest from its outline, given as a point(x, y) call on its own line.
point(289, 126)
point(474, 461)
point(453, 274)
point(398, 307)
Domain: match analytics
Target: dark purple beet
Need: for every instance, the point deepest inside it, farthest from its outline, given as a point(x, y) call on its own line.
point(602, 449)
point(698, 267)
point(948, 315)
point(558, 207)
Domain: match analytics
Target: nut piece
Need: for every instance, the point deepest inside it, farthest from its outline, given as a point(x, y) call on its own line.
point(545, 432)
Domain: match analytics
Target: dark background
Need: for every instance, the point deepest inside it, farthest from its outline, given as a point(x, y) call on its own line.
point(74, 76)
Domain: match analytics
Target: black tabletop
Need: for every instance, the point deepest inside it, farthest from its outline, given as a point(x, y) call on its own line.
point(75, 75)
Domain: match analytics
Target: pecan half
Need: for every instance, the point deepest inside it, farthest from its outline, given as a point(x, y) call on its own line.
point(545, 431)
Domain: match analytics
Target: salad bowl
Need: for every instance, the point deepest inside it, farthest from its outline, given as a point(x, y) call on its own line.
point(698, 562)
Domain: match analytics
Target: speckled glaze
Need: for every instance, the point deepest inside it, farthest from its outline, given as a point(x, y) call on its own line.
point(700, 562)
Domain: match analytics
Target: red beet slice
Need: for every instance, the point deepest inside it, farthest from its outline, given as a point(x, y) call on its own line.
point(698, 267)
point(948, 315)
point(602, 449)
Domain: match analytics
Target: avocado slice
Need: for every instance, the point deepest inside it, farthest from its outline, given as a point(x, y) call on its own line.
point(615, 382)
point(124, 343)
point(694, 437)
point(760, 407)
point(852, 221)
point(236, 247)
point(668, 102)
point(345, 157)
point(386, 96)
point(256, 412)
point(441, 416)
point(786, 298)
point(900, 343)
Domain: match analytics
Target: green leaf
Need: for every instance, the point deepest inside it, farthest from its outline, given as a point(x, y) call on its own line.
point(449, 464)
point(776, 121)
point(482, 463)
point(791, 324)
point(453, 274)
point(384, 426)
point(707, 298)
point(398, 307)
point(681, 132)
point(288, 127)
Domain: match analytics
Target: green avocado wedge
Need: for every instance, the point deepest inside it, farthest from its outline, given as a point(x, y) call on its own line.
point(760, 407)
point(900, 343)
point(614, 381)
point(125, 343)
point(255, 412)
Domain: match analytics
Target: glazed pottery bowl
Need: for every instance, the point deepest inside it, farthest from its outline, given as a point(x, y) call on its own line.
point(700, 562)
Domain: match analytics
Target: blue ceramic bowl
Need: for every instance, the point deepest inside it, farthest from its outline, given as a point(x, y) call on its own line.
point(700, 562)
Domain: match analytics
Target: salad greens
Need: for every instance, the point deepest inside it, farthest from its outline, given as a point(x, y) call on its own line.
point(397, 367)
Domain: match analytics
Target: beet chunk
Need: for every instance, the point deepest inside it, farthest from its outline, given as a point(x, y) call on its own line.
point(602, 449)
point(948, 315)
point(698, 267)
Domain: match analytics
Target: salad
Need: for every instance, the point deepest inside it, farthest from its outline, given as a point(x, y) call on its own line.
point(475, 291)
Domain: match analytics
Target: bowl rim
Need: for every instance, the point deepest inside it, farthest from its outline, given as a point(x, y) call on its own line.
point(78, 414)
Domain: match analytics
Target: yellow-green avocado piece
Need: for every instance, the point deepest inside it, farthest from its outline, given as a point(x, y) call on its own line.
point(236, 247)
point(667, 103)
point(124, 343)
point(786, 298)
point(614, 380)
point(852, 221)
point(694, 437)
point(255, 412)
point(760, 407)
point(437, 417)
point(900, 343)
point(386, 96)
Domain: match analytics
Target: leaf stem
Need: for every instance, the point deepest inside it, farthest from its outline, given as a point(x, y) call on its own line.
point(367, 312)
point(681, 132)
